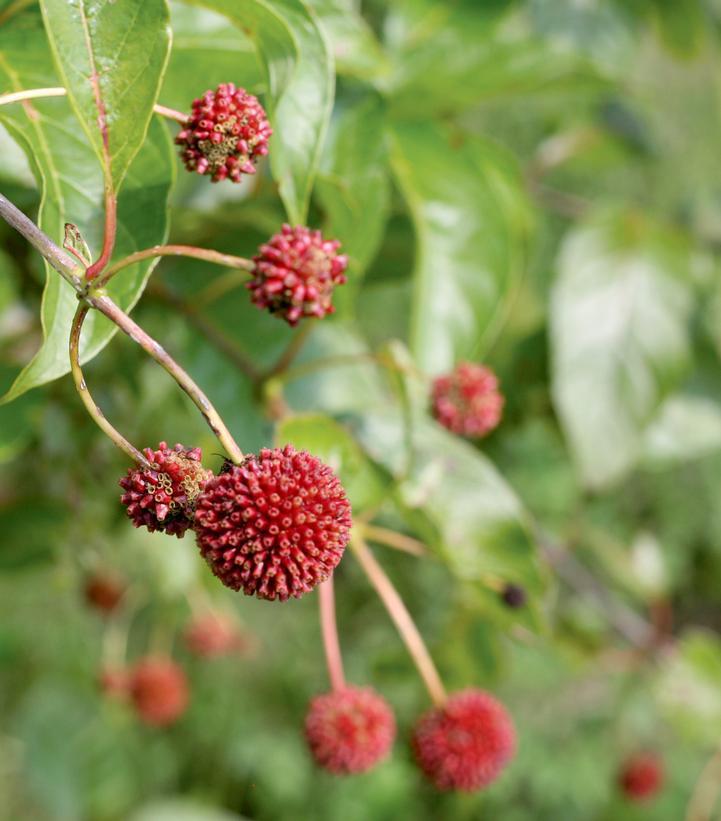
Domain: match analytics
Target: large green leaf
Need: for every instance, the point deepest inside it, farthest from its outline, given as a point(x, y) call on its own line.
point(353, 188)
point(619, 315)
point(300, 77)
point(72, 188)
point(467, 208)
point(460, 505)
point(111, 58)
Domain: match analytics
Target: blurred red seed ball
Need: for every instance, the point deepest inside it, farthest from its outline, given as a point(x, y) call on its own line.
point(641, 776)
point(212, 635)
point(159, 690)
point(104, 591)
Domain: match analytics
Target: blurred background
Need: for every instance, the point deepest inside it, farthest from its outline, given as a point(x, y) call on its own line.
point(533, 185)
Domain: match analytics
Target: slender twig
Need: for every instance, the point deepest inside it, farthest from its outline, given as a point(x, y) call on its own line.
point(72, 273)
point(706, 791)
point(205, 254)
point(61, 261)
point(31, 94)
point(391, 538)
point(402, 620)
point(35, 93)
point(93, 409)
point(170, 113)
point(225, 344)
point(292, 350)
point(329, 630)
point(107, 307)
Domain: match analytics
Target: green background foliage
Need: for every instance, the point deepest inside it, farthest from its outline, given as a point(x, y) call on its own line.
point(531, 184)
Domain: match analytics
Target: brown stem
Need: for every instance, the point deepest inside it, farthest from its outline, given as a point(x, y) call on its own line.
point(402, 620)
point(93, 409)
point(107, 307)
point(329, 629)
point(206, 254)
point(171, 113)
point(390, 538)
point(72, 273)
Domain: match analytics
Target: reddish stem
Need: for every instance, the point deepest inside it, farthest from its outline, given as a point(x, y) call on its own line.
point(329, 629)
point(111, 224)
point(402, 620)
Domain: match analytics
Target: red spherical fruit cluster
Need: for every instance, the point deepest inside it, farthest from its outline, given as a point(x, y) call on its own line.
point(465, 744)
point(349, 730)
point(159, 690)
point(162, 497)
point(275, 526)
point(467, 400)
point(295, 274)
point(104, 592)
point(641, 776)
point(225, 134)
point(212, 635)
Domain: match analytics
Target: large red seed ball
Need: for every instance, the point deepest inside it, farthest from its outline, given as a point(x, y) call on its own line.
point(641, 776)
point(275, 526)
point(225, 135)
point(466, 743)
point(159, 690)
point(295, 274)
point(162, 496)
point(350, 730)
point(467, 400)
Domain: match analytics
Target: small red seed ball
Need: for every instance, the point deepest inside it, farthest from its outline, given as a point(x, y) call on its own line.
point(274, 526)
point(226, 133)
point(104, 592)
point(465, 744)
point(641, 776)
point(467, 400)
point(350, 730)
point(295, 274)
point(212, 635)
point(162, 497)
point(159, 690)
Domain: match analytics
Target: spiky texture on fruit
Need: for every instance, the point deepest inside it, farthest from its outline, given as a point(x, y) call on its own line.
point(211, 635)
point(104, 591)
point(295, 274)
point(162, 497)
point(641, 776)
point(274, 526)
point(159, 690)
point(225, 134)
point(467, 400)
point(349, 730)
point(465, 744)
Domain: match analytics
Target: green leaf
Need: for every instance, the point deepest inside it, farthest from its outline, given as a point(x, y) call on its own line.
point(687, 686)
point(460, 505)
point(356, 50)
point(686, 427)
point(354, 189)
point(72, 189)
point(467, 208)
point(333, 444)
point(619, 315)
point(301, 81)
point(182, 809)
point(111, 57)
